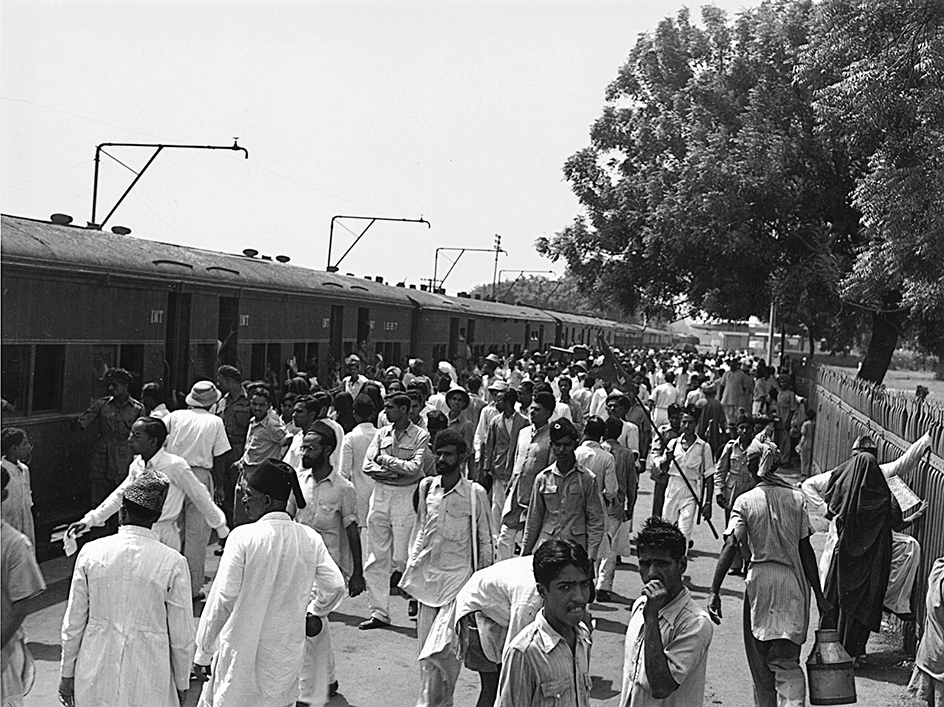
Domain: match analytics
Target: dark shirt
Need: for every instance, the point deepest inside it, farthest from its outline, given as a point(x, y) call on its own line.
point(112, 455)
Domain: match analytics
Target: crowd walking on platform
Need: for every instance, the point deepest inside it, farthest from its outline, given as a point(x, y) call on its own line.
point(496, 495)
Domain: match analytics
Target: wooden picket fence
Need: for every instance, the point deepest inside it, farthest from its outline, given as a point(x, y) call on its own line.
point(847, 407)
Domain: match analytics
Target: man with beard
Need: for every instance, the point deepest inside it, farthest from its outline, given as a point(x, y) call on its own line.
point(453, 539)
point(550, 659)
point(251, 637)
point(330, 508)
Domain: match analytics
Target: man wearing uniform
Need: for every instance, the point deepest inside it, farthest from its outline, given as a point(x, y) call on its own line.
point(115, 415)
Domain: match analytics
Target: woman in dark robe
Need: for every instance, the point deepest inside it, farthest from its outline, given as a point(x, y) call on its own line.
point(859, 499)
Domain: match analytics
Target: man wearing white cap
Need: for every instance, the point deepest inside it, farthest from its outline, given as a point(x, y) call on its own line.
point(200, 438)
point(127, 634)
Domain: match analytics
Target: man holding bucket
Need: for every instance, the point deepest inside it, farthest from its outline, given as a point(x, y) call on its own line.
point(773, 521)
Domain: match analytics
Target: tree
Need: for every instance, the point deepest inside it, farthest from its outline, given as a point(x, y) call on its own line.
point(877, 71)
point(561, 295)
point(706, 188)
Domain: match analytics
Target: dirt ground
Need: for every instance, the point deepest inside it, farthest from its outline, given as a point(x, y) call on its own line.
point(378, 668)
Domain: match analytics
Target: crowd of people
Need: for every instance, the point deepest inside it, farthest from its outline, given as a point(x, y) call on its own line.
point(496, 496)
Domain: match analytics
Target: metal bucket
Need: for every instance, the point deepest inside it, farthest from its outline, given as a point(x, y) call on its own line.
point(829, 671)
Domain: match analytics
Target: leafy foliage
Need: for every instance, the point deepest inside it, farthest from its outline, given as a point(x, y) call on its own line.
point(877, 69)
point(727, 169)
point(563, 295)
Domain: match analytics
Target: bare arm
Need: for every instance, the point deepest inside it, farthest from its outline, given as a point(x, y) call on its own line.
point(661, 682)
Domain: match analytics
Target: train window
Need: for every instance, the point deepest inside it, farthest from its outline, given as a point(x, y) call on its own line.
point(47, 380)
point(15, 378)
point(46, 363)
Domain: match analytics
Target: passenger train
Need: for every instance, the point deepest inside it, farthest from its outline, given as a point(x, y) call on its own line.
point(77, 301)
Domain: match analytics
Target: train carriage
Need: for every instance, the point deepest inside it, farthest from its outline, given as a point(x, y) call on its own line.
point(78, 301)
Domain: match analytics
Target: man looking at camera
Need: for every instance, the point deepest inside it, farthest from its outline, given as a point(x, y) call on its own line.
point(668, 634)
point(550, 659)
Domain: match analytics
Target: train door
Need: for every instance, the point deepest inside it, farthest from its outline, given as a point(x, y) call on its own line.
point(228, 331)
point(336, 339)
point(363, 328)
point(541, 337)
point(453, 338)
point(470, 339)
point(131, 358)
point(177, 341)
point(275, 362)
point(527, 335)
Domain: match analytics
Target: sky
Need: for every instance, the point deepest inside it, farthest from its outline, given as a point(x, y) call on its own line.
point(459, 112)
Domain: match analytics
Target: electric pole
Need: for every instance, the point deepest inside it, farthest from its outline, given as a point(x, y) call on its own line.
point(495, 272)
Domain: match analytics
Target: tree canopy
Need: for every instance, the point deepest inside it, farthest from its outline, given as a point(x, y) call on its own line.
point(721, 175)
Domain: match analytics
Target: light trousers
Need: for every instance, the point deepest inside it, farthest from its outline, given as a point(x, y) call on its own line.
point(607, 555)
point(318, 668)
point(389, 522)
point(196, 533)
point(439, 671)
point(498, 492)
point(168, 532)
point(775, 669)
point(680, 506)
point(505, 544)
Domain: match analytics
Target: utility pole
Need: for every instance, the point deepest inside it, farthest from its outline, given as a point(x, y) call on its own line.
point(498, 249)
point(770, 333)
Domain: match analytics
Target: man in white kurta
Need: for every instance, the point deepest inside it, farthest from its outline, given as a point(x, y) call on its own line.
point(353, 450)
point(453, 539)
point(127, 634)
point(906, 552)
point(274, 571)
point(694, 459)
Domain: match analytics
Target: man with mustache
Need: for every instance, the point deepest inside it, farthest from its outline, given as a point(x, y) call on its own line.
point(330, 508)
point(453, 539)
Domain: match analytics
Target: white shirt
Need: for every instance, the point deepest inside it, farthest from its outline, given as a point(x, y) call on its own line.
point(196, 435)
point(664, 394)
point(595, 459)
point(127, 634)
point(441, 559)
point(353, 450)
point(598, 403)
point(253, 626)
point(17, 507)
point(507, 594)
point(561, 410)
point(354, 385)
point(183, 483)
point(160, 412)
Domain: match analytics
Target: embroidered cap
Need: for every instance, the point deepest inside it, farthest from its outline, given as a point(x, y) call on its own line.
point(148, 491)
